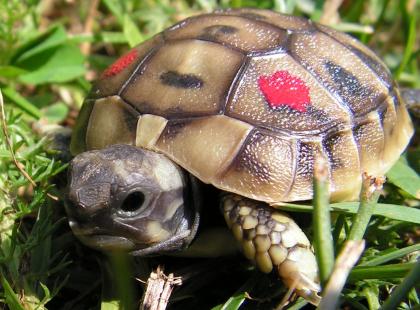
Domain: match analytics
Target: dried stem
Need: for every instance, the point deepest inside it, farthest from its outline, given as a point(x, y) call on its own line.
point(330, 13)
point(85, 47)
point(158, 290)
point(345, 261)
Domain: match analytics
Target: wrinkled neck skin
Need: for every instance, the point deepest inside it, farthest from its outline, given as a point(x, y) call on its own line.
point(131, 199)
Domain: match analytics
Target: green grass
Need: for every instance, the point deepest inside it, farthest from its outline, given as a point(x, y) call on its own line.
point(47, 63)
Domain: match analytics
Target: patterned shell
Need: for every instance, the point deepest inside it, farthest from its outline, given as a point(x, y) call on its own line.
point(247, 99)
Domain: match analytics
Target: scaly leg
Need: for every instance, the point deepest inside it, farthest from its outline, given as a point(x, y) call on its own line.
point(272, 239)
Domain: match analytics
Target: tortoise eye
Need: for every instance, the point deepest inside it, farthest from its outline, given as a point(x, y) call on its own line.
point(133, 202)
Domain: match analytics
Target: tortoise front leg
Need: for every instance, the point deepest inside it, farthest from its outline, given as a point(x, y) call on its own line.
point(272, 239)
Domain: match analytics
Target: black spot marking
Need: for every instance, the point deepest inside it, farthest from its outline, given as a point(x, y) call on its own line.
point(359, 97)
point(306, 158)
point(252, 16)
point(220, 29)
point(382, 114)
point(213, 33)
point(376, 67)
point(319, 115)
point(173, 128)
point(145, 107)
point(359, 131)
point(329, 144)
point(130, 117)
point(346, 82)
point(175, 79)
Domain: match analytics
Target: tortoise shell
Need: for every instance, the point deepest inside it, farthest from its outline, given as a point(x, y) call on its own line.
point(247, 99)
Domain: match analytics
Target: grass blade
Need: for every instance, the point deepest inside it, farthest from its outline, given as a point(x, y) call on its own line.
point(368, 197)
point(299, 304)
point(396, 212)
point(131, 32)
point(323, 241)
point(391, 256)
point(233, 303)
point(121, 267)
point(11, 298)
point(409, 46)
point(110, 305)
point(405, 177)
point(380, 272)
point(20, 101)
point(402, 290)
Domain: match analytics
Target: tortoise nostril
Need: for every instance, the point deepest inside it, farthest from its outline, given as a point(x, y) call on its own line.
point(133, 202)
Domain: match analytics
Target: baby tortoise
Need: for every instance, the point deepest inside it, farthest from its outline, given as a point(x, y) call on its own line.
point(245, 100)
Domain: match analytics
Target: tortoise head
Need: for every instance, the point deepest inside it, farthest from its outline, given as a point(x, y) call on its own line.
point(127, 198)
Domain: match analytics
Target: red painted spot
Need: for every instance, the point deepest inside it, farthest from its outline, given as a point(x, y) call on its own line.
point(282, 88)
point(120, 64)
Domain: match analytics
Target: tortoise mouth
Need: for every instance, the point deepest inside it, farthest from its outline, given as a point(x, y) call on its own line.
point(107, 242)
point(100, 239)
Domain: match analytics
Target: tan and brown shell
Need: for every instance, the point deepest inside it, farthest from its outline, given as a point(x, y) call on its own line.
point(247, 99)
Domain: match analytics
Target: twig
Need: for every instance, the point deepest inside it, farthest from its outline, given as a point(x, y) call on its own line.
point(85, 46)
point(330, 12)
point(158, 290)
point(345, 261)
point(9, 143)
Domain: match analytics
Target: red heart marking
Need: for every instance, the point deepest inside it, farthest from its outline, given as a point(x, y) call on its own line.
point(282, 88)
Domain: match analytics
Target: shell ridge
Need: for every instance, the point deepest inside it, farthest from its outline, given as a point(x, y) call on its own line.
point(133, 107)
point(222, 173)
point(359, 145)
point(329, 156)
point(295, 155)
point(226, 166)
point(235, 84)
point(140, 65)
point(380, 107)
point(359, 155)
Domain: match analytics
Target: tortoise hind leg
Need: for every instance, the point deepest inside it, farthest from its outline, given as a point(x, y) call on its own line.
point(272, 239)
